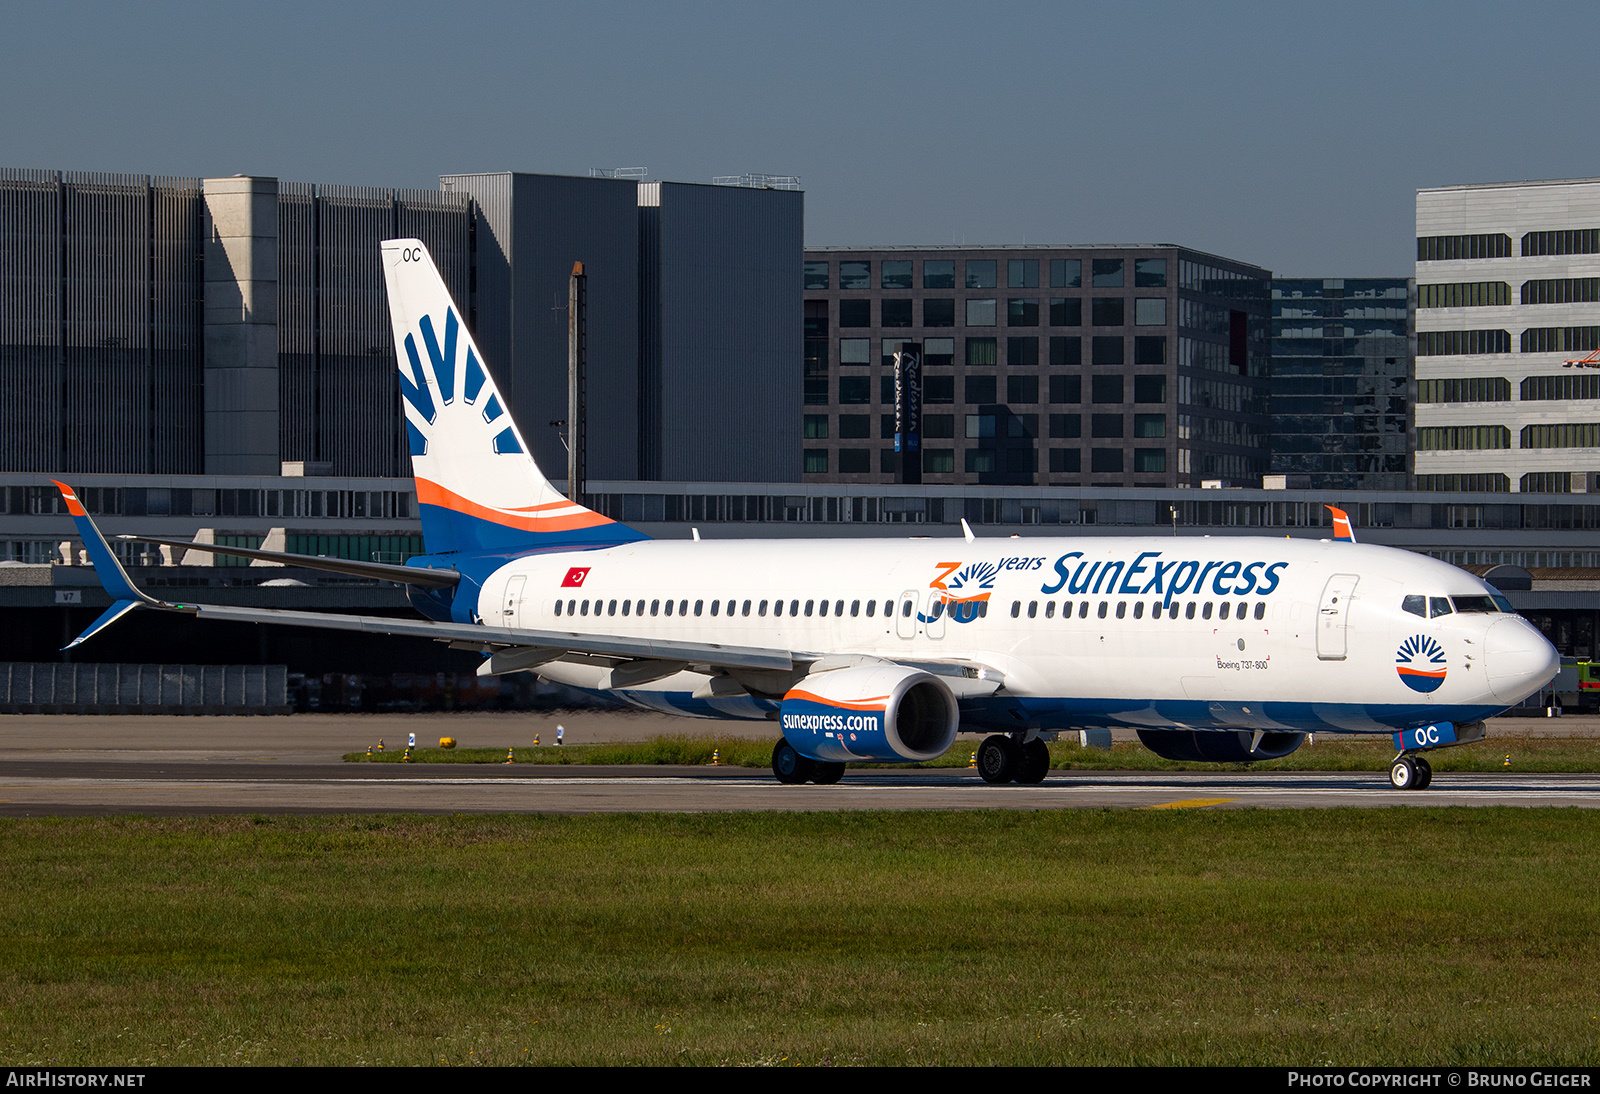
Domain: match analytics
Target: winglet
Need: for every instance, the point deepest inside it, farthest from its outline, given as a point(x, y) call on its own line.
point(966, 530)
point(113, 578)
point(1341, 525)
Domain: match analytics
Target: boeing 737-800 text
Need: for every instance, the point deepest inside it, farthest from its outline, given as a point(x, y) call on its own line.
point(1222, 649)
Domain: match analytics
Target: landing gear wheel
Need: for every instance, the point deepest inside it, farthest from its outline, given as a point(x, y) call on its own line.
point(826, 774)
point(1403, 773)
point(1424, 773)
point(1033, 763)
point(789, 766)
point(997, 759)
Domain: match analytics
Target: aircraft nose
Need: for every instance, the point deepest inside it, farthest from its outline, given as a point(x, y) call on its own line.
point(1519, 659)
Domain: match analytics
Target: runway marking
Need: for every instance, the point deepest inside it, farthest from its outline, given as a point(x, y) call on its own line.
point(1191, 803)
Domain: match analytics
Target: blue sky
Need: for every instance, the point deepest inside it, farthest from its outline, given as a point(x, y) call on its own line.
point(1292, 135)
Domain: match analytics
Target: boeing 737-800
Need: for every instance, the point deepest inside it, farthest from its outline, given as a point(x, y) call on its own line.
point(1222, 649)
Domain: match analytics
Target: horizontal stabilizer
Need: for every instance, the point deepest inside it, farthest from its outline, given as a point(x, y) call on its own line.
point(381, 571)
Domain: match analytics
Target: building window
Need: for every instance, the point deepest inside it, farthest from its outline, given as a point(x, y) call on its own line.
point(1144, 426)
point(1565, 388)
point(1463, 437)
point(1021, 461)
point(1150, 461)
point(1105, 426)
point(981, 351)
point(1445, 248)
point(886, 426)
point(1066, 426)
point(1149, 273)
point(1106, 389)
point(1022, 352)
point(939, 352)
point(938, 313)
point(980, 425)
point(980, 461)
point(1066, 461)
point(888, 463)
point(1150, 311)
point(1553, 340)
point(1472, 294)
point(1482, 389)
point(939, 273)
point(1544, 482)
point(980, 313)
point(1022, 273)
point(895, 273)
point(1066, 273)
point(855, 313)
point(1555, 435)
point(1065, 351)
point(939, 426)
point(1105, 461)
point(1022, 389)
point(1106, 311)
point(1066, 311)
point(886, 389)
point(1022, 312)
point(1066, 389)
point(853, 426)
point(938, 389)
point(896, 313)
point(981, 389)
point(1577, 241)
point(855, 461)
point(1150, 349)
point(1106, 351)
point(1560, 290)
point(1107, 274)
point(816, 461)
point(816, 427)
point(855, 389)
point(817, 275)
point(1149, 389)
point(981, 273)
point(855, 351)
point(939, 461)
point(855, 275)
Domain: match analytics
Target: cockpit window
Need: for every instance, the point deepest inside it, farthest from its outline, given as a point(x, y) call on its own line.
point(1416, 605)
point(1502, 603)
point(1437, 606)
point(1474, 603)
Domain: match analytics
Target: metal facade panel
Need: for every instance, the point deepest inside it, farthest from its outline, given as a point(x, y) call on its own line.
point(731, 332)
point(30, 320)
point(491, 257)
point(297, 322)
point(177, 366)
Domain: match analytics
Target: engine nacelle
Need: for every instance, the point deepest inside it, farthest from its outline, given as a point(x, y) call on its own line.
point(1219, 746)
point(871, 713)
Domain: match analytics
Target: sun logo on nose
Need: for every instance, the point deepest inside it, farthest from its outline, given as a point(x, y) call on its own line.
point(1420, 663)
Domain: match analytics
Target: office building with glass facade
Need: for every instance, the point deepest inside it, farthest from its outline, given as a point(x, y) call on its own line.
point(1508, 317)
point(1093, 366)
point(1342, 353)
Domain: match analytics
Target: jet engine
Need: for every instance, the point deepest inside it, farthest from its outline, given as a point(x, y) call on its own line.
point(882, 713)
point(1219, 746)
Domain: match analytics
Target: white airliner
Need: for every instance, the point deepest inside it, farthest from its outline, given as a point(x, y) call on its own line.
point(882, 651)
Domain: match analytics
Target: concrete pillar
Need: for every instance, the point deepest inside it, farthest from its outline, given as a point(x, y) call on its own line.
point(241, 326)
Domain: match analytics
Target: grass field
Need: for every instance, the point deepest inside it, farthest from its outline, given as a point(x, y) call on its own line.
point(1328, 753)
point(1444, 936)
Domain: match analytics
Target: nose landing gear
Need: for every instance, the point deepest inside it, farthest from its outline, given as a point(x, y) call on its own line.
point(1410, 773)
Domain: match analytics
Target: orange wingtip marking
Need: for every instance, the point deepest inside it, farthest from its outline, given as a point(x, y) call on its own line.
point(74, 506)
point(862, 704)
point(431, 493)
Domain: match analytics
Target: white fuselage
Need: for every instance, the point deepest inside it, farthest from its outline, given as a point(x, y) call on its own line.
point(1238, 633)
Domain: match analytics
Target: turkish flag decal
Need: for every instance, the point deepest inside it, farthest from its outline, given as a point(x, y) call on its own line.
point(574, 578)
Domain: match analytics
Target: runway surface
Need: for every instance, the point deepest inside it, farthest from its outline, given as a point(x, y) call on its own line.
point(62, 765)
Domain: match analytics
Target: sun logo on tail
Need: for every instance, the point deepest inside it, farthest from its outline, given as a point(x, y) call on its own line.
point(1421, 664)
point(458, 383)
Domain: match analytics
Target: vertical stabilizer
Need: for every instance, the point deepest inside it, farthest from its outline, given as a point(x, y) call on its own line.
point(477, 486)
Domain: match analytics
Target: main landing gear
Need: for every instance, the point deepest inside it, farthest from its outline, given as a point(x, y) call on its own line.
point(793, 769)
point(1410, 773)
point(1002, 759)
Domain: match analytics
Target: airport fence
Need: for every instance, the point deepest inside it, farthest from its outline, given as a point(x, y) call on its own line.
point(49, 688)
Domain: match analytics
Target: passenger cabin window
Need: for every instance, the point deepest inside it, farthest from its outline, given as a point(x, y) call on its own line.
point(855, 608)
point(763, 609)
point(558, 607)
point(872, 606)
point(1016, 608)
point(611, 608)
point(1205, 611)
point(698, 604)
point(1223, 613)
point(1103, 606)
point(1437, 606)
point(626, 604)
point(1261, 609)
point(777, 608)
point(1138, 609)
point(1188, 612)
point(809, 604)
point(747, 607)
point(1033, 609)
point(683, 608)
point(1050, 610)
point(1083, 609)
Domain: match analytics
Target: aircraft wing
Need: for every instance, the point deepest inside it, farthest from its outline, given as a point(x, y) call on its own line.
point(382, 571)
